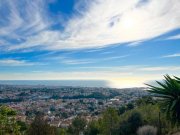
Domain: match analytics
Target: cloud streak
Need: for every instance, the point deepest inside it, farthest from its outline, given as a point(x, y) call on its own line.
point(13, 62)
point(172, 55)
point(101, 23)
point(174, 37)
point(77, 61)
point(136, 68)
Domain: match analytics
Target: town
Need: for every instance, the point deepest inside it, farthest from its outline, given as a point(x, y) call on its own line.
point(60, 105)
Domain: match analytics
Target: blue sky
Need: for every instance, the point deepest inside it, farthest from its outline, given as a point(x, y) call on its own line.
point(126, 43)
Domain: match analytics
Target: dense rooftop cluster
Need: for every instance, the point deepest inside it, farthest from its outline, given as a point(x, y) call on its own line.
point(61, 104)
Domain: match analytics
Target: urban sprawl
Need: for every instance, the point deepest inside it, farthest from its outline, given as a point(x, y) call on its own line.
point(60, 105)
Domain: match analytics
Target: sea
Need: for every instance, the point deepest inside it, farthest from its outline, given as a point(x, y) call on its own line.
point(73, 83)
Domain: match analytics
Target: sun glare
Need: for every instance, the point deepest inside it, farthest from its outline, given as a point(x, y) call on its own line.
point(128, 23)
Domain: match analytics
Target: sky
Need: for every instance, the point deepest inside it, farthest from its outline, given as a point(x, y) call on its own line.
point(124, 42)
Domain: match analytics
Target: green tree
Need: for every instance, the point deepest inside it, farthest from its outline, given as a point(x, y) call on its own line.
point(93, 128)
point(61, 131)
point(110, 122)
point(135, 121)
point(129, 126)
point(40, 127)
point(22, 125)
point(77, 126)
point(130, 106)
point(145, 101)
point(8, 124)
point(122, 110)
point(168, 92)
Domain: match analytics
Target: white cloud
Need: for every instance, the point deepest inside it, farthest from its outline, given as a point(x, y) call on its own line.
point(133, 44)
point(165, 68)
point(115, 57)
point(2, 42)
point(136, 68)
point(94, 50)
point(102, 23)
point(74, 61)
point(22, 19)
point(174, 37)
point(107, 52)
point(13, 62)
point(172, 55)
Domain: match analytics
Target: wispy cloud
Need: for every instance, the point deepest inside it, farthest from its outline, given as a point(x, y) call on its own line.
point(165, 68)
point(107, 52)
point(115, 57)
point(171, 55)
point(75, 62)
point(98, 24)
point(94, 50)
point(136, 68)
point(13, 62)
point(173, 37)
point(23, 17)
point(133, 44)
point(68, 60)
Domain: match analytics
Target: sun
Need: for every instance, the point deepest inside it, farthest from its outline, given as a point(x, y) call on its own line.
point(128, 22)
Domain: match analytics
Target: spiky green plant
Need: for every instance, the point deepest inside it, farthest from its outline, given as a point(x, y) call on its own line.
point(168, 92)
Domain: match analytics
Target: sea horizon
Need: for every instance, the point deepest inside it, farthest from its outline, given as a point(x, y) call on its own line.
point(70, 83)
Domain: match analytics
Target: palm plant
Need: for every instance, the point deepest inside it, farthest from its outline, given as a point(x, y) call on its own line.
point(168, 92)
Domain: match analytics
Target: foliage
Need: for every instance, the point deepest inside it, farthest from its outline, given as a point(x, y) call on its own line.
point(61, 131)
point(149, 115)
point(169, 95)
point(109, 122)
point(78, 126)
point(130, 106)
point(122, 110)
point(40, 127)
point(147, 130)
point(22, 125)
point(93, 128)
point(8, 124)
point(131, 124)
point(135, 120)
point(145, 100)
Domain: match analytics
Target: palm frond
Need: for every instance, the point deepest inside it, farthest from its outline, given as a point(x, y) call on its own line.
point(169, 91)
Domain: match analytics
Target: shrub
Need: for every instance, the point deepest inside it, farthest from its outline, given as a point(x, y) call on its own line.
point(130, 125)
point(147, 130)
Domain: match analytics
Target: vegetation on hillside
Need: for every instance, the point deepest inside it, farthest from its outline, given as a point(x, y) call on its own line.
point(8, 124)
